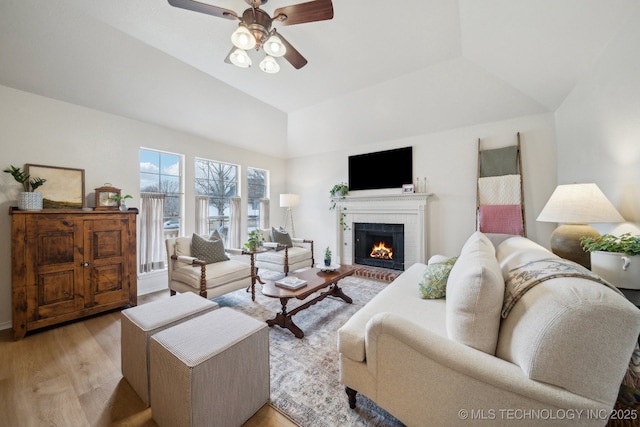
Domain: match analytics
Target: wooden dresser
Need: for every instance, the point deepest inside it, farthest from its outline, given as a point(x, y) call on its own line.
point(68, 264)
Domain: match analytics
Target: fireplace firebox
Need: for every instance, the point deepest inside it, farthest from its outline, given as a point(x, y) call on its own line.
point(379, 245)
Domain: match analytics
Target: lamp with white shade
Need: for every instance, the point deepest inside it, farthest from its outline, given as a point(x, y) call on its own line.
point(289, 201)
point(576, 206)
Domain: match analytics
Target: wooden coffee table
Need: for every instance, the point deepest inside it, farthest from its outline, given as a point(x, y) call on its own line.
point(316, 280)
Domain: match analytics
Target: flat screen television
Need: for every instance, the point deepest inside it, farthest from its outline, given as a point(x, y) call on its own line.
point(382, 169)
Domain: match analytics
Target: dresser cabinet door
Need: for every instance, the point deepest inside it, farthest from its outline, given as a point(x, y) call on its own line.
point(55, 277)
point(106, 274)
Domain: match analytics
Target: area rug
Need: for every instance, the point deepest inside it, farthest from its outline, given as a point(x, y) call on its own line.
point(305, 382)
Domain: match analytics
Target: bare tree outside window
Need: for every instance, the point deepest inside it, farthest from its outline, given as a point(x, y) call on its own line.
point(219, 181)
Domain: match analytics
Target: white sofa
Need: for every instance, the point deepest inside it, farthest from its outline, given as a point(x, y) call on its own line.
point(558, 357)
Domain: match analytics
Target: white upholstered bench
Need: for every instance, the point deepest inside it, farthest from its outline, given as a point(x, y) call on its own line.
point(212, 370)
point(139, 323)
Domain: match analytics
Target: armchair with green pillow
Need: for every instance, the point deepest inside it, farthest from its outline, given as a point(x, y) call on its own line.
point(204, 266)
point(288, 254)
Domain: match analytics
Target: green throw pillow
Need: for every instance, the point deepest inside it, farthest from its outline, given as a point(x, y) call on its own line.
point(281, 236)
point(209, 251)
point(434, 280)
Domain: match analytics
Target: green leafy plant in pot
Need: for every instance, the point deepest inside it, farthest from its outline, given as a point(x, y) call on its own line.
point(615, 258)
point(28, 199)
point(327, 257)
point(254, 240)
point(338, 192)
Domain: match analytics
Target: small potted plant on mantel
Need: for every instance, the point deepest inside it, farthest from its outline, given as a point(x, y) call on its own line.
point(615, 258)
point(28, 200)
point(339, 192)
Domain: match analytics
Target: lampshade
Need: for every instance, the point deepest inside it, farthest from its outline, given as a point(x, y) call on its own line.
point(240, 58)
point(269, 65)
point(577, 206)
point(274, 46)
point(289, 200)
point(242, 38)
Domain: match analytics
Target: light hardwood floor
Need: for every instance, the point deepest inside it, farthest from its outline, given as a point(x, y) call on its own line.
point(70, 376)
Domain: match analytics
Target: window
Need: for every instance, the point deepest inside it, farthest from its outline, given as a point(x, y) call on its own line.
point(218, 181)
point(161, 172)
point(257, 182)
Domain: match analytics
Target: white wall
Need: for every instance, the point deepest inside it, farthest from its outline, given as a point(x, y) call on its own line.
point(39, 130)
point(598, 126)
point(449, 162)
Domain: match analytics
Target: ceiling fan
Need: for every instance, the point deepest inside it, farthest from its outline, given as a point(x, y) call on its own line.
point(255, 32)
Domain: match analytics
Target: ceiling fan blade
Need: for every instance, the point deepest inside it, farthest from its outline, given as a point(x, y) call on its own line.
point(208, 9)
point(292, 55)
point(317, 10)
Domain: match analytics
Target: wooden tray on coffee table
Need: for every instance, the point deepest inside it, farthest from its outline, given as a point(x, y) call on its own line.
point(316, 281)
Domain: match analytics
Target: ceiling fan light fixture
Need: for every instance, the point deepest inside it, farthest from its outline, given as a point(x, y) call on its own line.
point(242, 38)
point(239, 58)
point(274, 47)
point(269, 65)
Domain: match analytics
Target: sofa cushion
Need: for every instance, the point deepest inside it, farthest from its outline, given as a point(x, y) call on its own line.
point(434, 279)
point(475, 291)
point(218, 274)
point(209, 251)
point(399, 297)
point(295, 254)
point(280, 235)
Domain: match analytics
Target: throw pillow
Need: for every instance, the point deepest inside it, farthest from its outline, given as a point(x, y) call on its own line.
point(475, 291)
point(281, 236)
point(433, 284)
point(209, 251)
point(215, 235)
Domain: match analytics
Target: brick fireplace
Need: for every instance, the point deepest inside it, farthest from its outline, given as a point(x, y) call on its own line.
point(406, 210)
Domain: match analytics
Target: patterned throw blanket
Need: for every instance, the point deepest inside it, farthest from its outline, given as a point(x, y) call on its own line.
point(526, 276)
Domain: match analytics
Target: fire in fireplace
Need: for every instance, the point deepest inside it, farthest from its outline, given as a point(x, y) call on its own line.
point(381, 251)
point(379, 245)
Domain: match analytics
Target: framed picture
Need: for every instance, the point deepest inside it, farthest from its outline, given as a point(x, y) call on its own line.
point(64, 188)
point(407, 188)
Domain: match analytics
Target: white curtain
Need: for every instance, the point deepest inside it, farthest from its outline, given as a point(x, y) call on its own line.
point(264, 213)
point(235, 218)
point(152, 247)
point(202, 215)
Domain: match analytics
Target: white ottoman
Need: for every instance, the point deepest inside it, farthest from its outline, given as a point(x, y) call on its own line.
point(210, 371)
point(139, 323)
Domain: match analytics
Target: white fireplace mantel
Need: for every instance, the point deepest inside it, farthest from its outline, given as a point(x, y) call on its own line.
point(408, 209)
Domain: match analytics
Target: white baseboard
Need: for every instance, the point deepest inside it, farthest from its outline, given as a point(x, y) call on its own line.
point(152, 282)
point(5, 325)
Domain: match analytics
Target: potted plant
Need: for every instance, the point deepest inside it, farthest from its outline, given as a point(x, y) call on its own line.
point(615, 258)
point(122, 201)
point(28, 199)
point(327, 257)
point(255, 240)
point(338, 192)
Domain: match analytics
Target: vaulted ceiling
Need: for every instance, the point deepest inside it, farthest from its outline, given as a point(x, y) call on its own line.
point(377, 71)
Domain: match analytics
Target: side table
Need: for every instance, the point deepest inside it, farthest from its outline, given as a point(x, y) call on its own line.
point(254, 271)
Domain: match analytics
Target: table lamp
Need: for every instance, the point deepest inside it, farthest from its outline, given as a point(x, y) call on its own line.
point(576, 206)
point(289, 201)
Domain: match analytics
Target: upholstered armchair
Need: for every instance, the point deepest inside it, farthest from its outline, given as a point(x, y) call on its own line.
point(207, 268)
point(287, 254)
